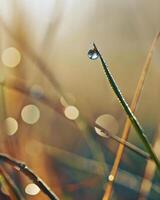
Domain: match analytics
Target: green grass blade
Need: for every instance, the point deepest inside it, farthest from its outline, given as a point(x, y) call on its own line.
point(139, 129)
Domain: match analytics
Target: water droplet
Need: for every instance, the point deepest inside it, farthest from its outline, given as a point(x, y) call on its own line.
point(93, 54)
point(111, 177)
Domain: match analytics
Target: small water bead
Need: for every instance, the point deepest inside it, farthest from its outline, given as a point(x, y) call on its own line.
point(93, 54)
point(111, 178)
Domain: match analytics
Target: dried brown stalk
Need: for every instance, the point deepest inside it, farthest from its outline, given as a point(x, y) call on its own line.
point(109, 187)
point(149, 171)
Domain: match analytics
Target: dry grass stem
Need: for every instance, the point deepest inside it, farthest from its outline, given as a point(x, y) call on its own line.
point(127, 126)
point(19, 166)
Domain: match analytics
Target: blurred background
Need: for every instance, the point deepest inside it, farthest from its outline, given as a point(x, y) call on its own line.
point(50, 93)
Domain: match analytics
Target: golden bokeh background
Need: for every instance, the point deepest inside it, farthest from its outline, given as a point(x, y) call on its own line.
point(51, 91)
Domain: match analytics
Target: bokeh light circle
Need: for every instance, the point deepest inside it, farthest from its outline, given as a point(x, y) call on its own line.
point(11, 57)
point(30, 114)
point(71, 112)
point(32, 189)
point(11, 126)
point(108, 122)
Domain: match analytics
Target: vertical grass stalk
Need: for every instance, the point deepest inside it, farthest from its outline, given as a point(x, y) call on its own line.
point(128, 111)
point(128, 124)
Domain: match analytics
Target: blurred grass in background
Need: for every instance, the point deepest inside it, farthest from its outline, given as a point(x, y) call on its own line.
point(46, 74)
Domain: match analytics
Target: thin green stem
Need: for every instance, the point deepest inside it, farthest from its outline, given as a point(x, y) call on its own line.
point(127, 109)
point(129, 145)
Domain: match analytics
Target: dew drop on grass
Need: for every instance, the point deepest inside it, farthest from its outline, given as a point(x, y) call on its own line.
point(92, 54)
point(111, 177)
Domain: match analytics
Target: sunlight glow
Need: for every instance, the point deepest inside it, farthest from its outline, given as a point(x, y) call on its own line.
point(30, 114)
point(32, 189)
point(71, 112)
point(11, 126)
point(11, 57)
